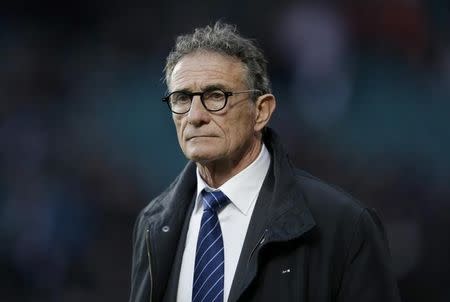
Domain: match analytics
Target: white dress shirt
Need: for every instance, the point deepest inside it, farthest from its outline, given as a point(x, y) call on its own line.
point(242, 190)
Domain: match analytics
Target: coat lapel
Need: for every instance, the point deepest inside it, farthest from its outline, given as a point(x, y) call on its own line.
point(166, 223)
point(265, 229)
point(172, 286)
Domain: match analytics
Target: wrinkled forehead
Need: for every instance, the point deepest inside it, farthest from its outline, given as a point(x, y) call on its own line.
point(204, 67)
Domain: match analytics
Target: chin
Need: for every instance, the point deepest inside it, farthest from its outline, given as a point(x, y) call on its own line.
point(201, 156)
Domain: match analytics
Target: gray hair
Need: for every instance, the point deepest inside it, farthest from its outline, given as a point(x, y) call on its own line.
point(224, 39)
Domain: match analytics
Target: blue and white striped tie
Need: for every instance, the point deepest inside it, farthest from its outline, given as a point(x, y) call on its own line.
point(209, 257)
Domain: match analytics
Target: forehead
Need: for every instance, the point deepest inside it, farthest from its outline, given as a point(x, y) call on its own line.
point(202, 69)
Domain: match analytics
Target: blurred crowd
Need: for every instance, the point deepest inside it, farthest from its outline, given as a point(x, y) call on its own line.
point(363, 92)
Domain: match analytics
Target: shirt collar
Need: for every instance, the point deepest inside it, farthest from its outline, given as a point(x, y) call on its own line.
point(243, 188)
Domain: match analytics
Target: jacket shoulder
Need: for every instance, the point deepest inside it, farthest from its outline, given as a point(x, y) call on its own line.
point(328, 200)
point(335, 211)
point(337, 214)
point(352, 240)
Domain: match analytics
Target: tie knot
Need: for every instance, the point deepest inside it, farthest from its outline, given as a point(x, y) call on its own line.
point(214, 201)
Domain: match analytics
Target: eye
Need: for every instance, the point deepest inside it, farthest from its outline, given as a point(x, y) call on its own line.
point(179, 98)
point(214, 95)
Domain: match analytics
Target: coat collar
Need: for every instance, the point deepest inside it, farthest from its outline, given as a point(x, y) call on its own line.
point(288, 214)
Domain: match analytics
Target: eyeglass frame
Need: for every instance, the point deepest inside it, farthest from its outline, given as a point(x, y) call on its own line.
point(191, 95)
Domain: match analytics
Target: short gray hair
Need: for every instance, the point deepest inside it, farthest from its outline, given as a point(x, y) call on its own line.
point(224, 39)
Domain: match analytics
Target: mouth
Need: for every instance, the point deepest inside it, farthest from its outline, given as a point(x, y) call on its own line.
point(198, 136)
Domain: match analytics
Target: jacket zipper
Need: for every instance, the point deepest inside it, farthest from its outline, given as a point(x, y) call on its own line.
point(260, 243)
point(149, 261)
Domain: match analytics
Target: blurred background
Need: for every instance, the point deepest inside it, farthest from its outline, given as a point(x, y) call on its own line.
point(363, 92)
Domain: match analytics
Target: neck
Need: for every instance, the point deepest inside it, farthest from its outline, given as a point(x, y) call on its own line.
point(216, 173)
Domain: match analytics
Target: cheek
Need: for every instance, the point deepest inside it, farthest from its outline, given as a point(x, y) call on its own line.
point(240, 130)
point(177, 120)
point(178, 127)
point(243, 123)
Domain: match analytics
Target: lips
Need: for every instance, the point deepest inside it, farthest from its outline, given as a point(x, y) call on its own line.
point(198, 136)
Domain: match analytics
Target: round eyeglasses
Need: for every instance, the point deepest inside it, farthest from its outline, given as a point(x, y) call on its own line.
point(180, 102)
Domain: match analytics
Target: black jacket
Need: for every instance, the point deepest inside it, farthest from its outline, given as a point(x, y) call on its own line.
point(307, 241)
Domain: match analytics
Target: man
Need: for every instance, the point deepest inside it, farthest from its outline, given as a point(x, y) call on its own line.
point(240, 223)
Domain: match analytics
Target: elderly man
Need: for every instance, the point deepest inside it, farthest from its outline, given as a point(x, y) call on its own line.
point(240, 223)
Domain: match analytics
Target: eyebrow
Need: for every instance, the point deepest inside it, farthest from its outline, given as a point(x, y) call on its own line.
point(214, 87)
point(206, 88)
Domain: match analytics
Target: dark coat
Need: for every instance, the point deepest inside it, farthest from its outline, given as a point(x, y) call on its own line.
point(307, 241)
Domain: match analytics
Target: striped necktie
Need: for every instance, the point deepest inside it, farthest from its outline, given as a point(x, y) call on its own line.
point(209, 257)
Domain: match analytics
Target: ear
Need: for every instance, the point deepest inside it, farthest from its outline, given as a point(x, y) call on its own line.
point(265, 106)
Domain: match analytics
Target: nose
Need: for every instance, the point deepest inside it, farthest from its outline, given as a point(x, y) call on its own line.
point(198, 114)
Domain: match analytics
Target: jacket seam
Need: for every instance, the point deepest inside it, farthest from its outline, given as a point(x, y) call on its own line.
point(348, 249)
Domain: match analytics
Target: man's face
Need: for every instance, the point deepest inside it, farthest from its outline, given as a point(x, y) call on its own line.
point(227, 134)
